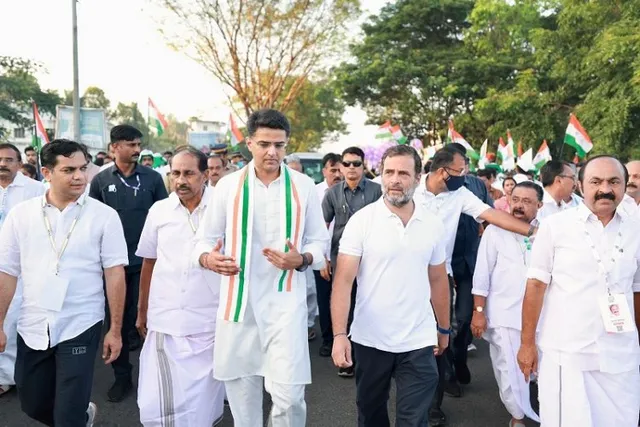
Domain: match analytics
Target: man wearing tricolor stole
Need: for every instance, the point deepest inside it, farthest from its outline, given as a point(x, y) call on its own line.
point(262, 230)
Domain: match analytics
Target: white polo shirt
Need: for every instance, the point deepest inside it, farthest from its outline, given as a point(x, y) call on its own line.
point(393, 304)
point(571, 328)
point(22, 188)
point(183, 299)
point(448, 206)
point(97, 242)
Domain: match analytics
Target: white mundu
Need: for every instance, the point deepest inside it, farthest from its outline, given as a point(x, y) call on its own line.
point(22, 188)
point(176, 385)
point(587, 377)
point(500, 276)
point(261, 330)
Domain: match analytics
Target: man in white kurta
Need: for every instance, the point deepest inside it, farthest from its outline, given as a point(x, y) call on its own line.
point(14, 188)
point(499, 281)
point(177, 307)
point(584, 278)
point(261, 330)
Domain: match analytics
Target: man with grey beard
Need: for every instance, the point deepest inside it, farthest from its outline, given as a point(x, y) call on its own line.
point(394, 330)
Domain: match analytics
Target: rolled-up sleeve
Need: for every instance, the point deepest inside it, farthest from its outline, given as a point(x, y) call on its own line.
point(485, 263)
point(315, 239)
point(213, 223)
point(542, 254)
point(148, 243)
point(113, 250)
point(10, 246)
point(636, 277)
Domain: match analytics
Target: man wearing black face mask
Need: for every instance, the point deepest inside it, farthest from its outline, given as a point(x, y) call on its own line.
point(445, 195)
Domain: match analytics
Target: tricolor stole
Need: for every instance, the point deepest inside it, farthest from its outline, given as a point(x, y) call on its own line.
point(239, 233)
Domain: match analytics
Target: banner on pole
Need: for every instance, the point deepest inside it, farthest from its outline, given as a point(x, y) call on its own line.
point(93, 126)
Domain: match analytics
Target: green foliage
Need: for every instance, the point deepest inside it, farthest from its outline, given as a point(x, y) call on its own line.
point(174, 135)
point(129, 114)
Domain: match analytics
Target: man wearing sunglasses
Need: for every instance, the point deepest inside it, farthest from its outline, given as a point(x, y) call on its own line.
point(340, 203)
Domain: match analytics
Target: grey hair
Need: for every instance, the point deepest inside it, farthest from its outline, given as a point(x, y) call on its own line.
point(292, 158)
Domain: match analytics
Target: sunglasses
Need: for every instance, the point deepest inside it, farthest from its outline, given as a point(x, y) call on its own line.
point(356, 164)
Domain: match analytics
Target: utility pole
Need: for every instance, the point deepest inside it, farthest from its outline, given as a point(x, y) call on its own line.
point(76, 83)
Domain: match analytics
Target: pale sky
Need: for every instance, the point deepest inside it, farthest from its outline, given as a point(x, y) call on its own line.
point(121, 51)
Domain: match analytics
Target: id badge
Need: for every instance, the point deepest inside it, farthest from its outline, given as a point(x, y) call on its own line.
point(52, 292)
point(615, 314)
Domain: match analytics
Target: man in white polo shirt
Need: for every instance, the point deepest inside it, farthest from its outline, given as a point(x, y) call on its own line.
point(177, 306)
point(60, 245)
point(584, 283)
point(394, 331)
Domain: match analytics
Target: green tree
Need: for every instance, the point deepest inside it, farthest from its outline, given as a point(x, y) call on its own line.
point(129, 114)
point(93, 97)
point(174, 135)
point(18, 89)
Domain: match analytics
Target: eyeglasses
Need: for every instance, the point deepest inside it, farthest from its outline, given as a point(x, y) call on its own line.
point(456, 172)
point(571, 177)
point(355, 164)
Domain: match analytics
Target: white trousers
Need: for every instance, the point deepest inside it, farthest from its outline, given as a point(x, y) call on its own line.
point(245, 400)
point(8, 357)
point(570, 397)
point(514, 390)
point(312, 298)
point(176, 385)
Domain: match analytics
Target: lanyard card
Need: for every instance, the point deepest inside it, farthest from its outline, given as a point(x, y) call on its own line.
point(615, 313)
point(53, 291)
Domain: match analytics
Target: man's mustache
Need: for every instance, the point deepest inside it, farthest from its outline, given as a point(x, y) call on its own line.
point(4, 170)
point(182, 187)
point(608, 196)
point(632, 185)
point(518, 211)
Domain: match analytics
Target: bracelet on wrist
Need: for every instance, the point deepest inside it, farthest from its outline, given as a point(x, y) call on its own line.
point(341, 333)
point(444, 331)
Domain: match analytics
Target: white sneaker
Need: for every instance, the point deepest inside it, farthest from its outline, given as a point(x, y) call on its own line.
point(92, 411)
point(472, 347)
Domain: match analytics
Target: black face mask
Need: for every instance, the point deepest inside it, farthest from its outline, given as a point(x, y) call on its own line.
point(454, 182)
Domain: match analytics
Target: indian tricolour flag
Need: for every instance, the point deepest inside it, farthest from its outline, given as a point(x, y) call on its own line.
point(577, 137)
point(398, 135)
point(40, 138)
point(384, 131)
point(483, 154)
point(505, 153)
point(542, 156)
point(453, 136)
point(156, 119)
point(233, 132)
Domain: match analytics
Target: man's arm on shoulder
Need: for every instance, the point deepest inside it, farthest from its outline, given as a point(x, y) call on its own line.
point(505, 221)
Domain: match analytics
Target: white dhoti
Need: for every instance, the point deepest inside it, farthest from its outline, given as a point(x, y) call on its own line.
point(514, 390)
point(176, 385)
point(572, 397)
point(245, 400)
point(8, 357)
point(312, 298)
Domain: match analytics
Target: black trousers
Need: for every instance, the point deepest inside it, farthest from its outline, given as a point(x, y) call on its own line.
point(323, 291)
point(416, 377)
point(121, 366)
point(463, 310)
point(54, 385)
point(445, 361)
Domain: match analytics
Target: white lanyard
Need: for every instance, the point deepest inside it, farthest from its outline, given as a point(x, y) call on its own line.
point(617, 249)
point(3, 204)
point(191, 224)
point(136, 188)
point(47, 224)
point(527, 248)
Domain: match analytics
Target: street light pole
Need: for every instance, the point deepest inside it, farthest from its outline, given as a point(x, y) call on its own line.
point(76, 83)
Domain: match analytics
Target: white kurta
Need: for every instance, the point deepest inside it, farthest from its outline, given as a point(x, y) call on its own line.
point(22, 188)
point(578, 355)
point(271, 340)
point(176, 362)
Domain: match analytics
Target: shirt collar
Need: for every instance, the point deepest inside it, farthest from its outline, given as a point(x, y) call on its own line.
point(584, 213)
point(138, 169)
point(360, 185)
point(206, 195)
point(417, 211)
point(81, 200)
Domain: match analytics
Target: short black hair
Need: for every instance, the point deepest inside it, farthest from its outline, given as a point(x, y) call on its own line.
point(510, 178)
point(457, 147)
point(531, 186)
point(487, 173)
point(169, 152)
point(427, 166)
point(101, 153)
point(31, 170)
point(403, 150)
point(124, 133)
point(331, 159)
point(443, 158)
point(28, 148)
point(60, 147)
point(218, 156)
point(603, 156)
point(9, 146)
point(356, 151)
point(199, 155)
point(268, 118)
point(550, 171)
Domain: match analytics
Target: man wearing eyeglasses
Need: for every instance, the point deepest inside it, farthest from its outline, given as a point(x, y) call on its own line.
point(340, 203)
point(559, 180)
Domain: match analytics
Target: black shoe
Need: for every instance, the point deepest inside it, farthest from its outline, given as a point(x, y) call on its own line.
point(346, 372)
point(437, 418)
point(134, 341)
point(452, 389)
point(119, 390)
point(325, 349)
point(462, 373)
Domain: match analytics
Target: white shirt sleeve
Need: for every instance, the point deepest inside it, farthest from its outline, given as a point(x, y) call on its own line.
point(439, 254)
point(636, 277)
point(214, 221)
point(315, 237)
point(148, 243)
point(542, 254)
point(9, 246)
point(471, 205)
point(485, 263)
point(113, 250)
point(352, 240)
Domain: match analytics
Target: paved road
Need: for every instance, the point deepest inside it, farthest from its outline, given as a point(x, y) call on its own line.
point(330, 399)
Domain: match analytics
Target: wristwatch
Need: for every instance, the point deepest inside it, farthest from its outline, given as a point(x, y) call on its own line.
point(479, 309)
point(305, 263)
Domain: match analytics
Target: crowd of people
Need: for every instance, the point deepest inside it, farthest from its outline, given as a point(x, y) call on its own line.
point(218, 267)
